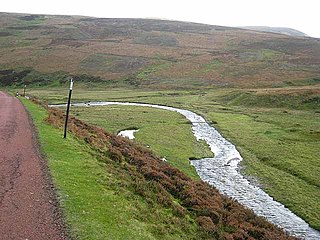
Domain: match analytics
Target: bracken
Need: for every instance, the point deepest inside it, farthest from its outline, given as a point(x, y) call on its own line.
point(218, 215)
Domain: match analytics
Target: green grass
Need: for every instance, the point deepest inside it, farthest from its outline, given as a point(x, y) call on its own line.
point(154, 68)
point(304, 100)
point(97, 196)
point(281, 149)
point(168, 134)
point(97, 62)
point(277, 134)
point(213, 65)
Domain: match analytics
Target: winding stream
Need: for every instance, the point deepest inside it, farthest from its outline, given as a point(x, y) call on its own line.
point(222, 172)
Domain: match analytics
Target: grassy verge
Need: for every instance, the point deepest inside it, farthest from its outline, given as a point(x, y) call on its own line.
point(97, 197)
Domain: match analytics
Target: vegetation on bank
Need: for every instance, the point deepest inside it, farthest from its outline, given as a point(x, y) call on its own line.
point(168, 134)
point(100, 197)
point(281, 150)
point(279, 145)
point(111, 187)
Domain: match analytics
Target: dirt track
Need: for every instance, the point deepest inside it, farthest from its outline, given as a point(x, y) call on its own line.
point(28, 208)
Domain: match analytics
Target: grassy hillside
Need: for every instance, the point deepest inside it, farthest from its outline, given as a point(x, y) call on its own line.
point(99, 197)
point(282, 30)
point(45, 50)
point(111, 188)
point(275, 130)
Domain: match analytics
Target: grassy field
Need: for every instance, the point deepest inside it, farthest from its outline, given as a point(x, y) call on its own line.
point(279, 144)
point(167, 133)
point(282, 150)
point(97, 196)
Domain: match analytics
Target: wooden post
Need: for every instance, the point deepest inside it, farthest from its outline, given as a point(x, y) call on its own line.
point(24, 90)
point(68, 108)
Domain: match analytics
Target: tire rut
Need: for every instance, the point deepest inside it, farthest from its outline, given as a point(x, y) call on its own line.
point(7, 183)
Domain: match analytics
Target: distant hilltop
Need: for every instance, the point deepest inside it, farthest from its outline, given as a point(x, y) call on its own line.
point(281, 30)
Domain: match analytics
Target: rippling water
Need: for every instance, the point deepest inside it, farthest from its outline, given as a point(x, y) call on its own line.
point(222, 172)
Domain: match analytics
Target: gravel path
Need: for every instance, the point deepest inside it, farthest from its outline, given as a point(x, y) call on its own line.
point(28, 207)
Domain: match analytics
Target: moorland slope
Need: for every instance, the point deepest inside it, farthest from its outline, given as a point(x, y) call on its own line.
point(153, 53)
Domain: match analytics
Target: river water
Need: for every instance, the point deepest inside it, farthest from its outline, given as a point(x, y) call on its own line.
point(222, 172)
point(128, 133)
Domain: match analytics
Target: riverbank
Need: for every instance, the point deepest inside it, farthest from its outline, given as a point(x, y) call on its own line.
point(222, 172)
point(276, 130)
point(103, 198)
point(167, 134)
point(201, 210)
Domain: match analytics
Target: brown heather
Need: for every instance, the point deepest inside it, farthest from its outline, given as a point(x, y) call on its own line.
point(150, 53)
point(218, 216)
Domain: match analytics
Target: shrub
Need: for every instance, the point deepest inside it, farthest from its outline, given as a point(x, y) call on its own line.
point(206, 223)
